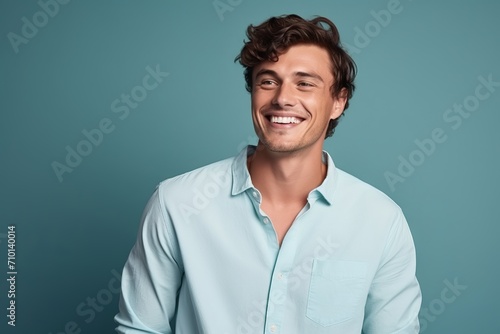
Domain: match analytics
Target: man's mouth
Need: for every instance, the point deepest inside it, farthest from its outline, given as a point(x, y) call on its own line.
point(284, 120)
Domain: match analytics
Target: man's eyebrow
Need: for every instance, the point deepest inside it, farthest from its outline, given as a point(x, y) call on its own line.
point(309, 75)
point(265, 71)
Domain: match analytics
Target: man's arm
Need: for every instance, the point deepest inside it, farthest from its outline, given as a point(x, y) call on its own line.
point(394, 299)
point(151, 277)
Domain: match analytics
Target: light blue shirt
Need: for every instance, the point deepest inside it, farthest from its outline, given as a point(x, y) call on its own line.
point(207, 260)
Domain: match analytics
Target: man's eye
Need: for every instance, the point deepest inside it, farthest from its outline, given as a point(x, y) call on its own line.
point(266, 82)
point(305, 84)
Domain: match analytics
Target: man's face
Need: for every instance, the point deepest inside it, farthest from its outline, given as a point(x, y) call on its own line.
point(291, 99)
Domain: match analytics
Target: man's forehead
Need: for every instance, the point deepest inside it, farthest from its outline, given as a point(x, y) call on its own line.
point(300, 61)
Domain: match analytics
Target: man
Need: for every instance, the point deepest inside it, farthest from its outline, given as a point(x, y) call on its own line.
point(277, 239)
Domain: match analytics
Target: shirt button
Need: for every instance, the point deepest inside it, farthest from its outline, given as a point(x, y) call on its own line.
point(255, 194)
point(273, 328)
point(280, 276)
point(266, 220)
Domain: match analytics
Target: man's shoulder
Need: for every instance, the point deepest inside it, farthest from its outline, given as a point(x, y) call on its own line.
point(217, 173)
point(356, 190)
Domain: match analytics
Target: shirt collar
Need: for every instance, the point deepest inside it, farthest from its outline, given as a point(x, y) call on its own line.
point(242, 180)
point(241, 176)
point(326, 189)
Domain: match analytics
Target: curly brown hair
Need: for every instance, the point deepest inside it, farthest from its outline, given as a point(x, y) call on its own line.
point(276, 35)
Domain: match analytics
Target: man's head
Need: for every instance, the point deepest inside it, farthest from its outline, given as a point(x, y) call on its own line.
point(267, 41)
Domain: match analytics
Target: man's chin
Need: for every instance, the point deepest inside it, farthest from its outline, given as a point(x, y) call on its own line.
point(279, 148)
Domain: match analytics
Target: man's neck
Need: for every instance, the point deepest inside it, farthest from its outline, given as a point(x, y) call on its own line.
point(286, 178)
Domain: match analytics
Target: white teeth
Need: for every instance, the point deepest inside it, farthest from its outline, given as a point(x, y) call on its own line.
point(285, 120)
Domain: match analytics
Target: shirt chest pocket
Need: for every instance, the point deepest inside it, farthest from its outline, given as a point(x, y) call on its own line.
point(336, 291)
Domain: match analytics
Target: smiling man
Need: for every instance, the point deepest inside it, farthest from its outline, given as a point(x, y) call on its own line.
point(285, 242)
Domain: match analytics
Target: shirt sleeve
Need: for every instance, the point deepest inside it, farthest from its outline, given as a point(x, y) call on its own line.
point(152, 276)
point(394, 299)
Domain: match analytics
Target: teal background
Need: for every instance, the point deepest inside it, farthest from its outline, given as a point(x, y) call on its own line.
point(72, 235)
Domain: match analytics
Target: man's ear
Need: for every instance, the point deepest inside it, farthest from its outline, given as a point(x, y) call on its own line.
point(339, 104)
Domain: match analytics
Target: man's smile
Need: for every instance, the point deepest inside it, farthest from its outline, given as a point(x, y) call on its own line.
point(284, 120)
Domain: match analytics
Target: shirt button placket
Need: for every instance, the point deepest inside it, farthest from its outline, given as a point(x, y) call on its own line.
point(278, 295)
point(255, 194)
